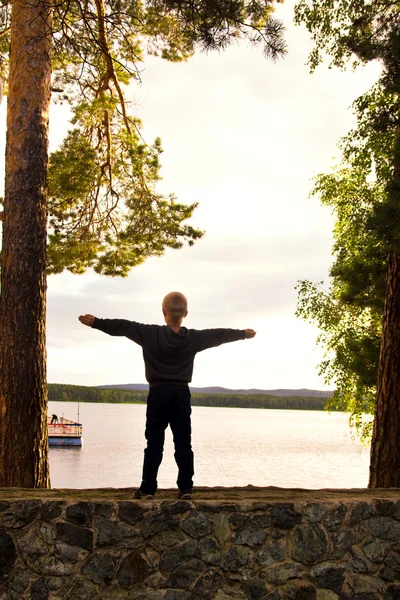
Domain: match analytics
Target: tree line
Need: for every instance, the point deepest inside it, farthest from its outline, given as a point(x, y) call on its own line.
point(73, 393)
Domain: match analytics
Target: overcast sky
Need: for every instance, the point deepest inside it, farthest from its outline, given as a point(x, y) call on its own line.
point(244, 137)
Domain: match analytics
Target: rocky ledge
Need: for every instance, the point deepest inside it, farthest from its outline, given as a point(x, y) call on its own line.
point(225, 544)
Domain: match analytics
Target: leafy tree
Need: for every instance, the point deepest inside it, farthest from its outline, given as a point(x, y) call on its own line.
point(99, 198)
point(349, 313)
point(365, 31)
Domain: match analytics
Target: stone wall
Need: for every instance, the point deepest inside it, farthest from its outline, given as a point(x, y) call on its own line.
point(242, 544)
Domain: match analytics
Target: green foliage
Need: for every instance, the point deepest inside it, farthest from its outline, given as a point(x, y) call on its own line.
point(75, 393)
point(104, 209)
point(357, 30)
point(363, 194)
point(215, 23)
point(349, 312)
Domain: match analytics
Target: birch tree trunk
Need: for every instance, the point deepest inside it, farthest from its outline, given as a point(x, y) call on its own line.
point(23, 386)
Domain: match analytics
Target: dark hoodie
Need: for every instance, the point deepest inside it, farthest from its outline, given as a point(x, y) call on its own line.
point(168, 356)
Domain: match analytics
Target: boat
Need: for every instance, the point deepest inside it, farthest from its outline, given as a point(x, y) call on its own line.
point(64, 432)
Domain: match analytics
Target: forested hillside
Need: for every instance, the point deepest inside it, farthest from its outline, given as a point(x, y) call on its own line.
point(77, 393)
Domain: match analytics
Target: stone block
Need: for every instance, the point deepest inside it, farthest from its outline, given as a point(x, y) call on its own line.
point(32, 545)
point(8, 553)
point(255, 589)
point(271, 553)
point(221, 528)
point(74, 535)
point(65, 552)
point(251, 537)
point(166, 539)
point(19, 579)
point(376, 550)
point(197, 524)
point(384, 507)
point(103, 509)
point(80, 514)
point(130, 512)
point(82, 589)
point(208, 551)
point(392, 592)
point(358, 562)
point(133, 569)
point(310, 544)
point(280, 574)
point(207, 584)
point(185, 575)
point(385, 528)
point(329, 576)
point(39, 590)
point(300, 590)
point(21, 513)
point(112, 532)
point(157, 522)
point(361, 512)
point(51, 510)
point(314, 512)
point(100, 568)
point(172, 557)
point(283, 516)
point(341, 542)
point(235, 558)
point(334, 518)
point(326, 595)
point(361, 584)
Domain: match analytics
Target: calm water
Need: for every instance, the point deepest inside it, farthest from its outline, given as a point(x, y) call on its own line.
point(233, 446)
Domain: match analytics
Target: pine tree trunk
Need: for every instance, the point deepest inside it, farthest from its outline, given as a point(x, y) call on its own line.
point(23, 386)
point(385, 446)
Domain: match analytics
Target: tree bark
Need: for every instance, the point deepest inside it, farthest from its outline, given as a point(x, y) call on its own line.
point(23, 386)
point(385, 446)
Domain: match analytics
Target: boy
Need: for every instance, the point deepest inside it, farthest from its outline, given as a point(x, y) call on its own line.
point(168, 353)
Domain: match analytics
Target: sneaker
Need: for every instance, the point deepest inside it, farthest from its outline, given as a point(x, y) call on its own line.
point(185, 494)
point(142, 496)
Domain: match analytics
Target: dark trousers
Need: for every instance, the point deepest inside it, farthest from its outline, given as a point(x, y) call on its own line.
point(168, 405)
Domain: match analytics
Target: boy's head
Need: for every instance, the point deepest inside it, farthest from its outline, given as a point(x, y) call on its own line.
point(174, 307)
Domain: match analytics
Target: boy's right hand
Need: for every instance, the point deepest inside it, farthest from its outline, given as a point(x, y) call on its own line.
point(250, 333)
point(87, 320)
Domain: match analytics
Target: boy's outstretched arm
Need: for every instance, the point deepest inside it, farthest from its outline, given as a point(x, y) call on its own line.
point(117, 327)
point(87, 320)
point(250, 333)
point(210, 338)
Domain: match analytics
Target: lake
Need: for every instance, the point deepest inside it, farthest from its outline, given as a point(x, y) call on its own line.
point(232, 446)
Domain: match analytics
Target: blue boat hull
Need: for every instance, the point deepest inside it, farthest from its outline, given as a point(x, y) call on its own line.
point(65, 441)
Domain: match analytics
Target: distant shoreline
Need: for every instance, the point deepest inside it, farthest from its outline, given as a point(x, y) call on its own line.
point(121, 395)
point(279, 393)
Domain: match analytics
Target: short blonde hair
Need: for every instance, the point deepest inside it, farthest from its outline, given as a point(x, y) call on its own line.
point(175, 306)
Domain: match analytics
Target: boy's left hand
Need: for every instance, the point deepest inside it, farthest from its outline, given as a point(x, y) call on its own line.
point(87, 320)
point(250, 333)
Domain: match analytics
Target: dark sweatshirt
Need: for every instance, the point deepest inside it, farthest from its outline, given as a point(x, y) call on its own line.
point(168, 356)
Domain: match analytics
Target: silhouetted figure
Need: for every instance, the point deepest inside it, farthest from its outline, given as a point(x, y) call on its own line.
point(168, 353)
